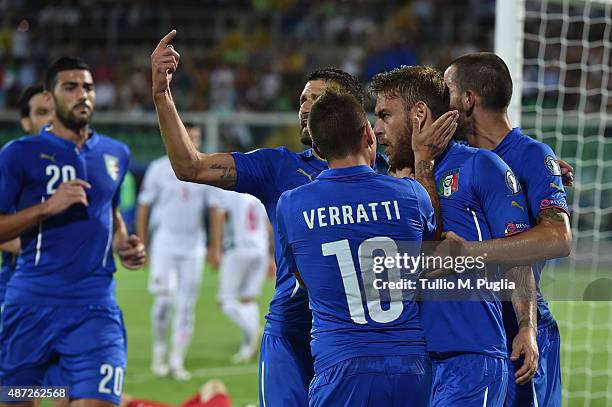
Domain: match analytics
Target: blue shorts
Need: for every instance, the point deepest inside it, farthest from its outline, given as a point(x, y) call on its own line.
point(469, 380)
point(545, 388)
point(374, 381)
point(285, 371)
point(83, 348)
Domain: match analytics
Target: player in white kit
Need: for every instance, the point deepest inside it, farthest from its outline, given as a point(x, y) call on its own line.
point(243, 265)
point(172, 213)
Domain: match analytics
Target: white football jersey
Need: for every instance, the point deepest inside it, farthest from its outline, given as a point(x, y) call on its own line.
point(247, 221)
point(177, 208)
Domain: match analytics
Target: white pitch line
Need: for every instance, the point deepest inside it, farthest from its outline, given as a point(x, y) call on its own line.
point(198, 373)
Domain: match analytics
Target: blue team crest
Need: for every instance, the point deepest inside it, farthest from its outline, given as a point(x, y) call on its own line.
point(449, 183)
point(112, 166)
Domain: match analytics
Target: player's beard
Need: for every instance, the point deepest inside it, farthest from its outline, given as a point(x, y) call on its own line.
point(465, 126)
point(305, 137)
point(71, 120)
point(402, 155)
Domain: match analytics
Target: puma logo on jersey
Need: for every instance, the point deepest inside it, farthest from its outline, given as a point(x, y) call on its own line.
point(552, 184)
point(47, 157)
point(304, 173)
point(514, 203)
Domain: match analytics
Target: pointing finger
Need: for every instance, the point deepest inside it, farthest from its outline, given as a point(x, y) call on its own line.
point(164, 42)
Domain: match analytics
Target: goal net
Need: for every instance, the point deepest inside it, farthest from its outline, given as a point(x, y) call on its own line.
point(559, 54)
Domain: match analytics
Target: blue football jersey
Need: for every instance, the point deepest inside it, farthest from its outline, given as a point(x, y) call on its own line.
point(479, 200)
point(6, 271)
point(330, 230)
point(66, 259)
point(535, 166)
point(266, 173)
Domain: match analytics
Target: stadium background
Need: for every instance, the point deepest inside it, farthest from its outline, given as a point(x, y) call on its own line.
point(242, 69)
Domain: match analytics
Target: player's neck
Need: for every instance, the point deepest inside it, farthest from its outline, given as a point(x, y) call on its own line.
point(490, 128)
point(348, 161)
point(78, 135)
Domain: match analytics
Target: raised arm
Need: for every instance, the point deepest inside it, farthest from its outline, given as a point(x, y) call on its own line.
point(427, 144)
point(188, 163)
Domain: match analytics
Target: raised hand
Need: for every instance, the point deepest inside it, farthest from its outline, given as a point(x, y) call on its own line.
point(428, 143)
point(164, 62)
point(67, 194)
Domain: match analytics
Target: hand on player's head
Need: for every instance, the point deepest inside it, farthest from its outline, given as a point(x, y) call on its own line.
point(66, 195)
point(132, 252)
point(164, 62)
point(428, 143)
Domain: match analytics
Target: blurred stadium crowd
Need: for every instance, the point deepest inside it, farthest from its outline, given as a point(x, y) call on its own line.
point(238, 55)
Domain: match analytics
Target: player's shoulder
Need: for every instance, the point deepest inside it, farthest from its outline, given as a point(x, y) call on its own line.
point(22, 145)
point(484, 158)
point(405, 187)
point(113, 145)
point(531, 148)
point(272, 153)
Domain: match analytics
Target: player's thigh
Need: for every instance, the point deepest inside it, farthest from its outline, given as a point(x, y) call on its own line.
point(163, 278)
point(469, 380)
point(253, 274)
point(189, 273)
point(545, 388)
point(392, 381)
point(93, 355)
point(285, 371)
point(231, 273)
point(27, 340)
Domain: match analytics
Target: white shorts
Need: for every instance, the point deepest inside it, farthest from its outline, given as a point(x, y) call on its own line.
point(172, 273)
point(242, 273)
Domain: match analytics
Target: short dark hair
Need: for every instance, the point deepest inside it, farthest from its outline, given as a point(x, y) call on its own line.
point(63, 64)
point(345, 81)
point(413, 84)
point(26, 94)
point(190, 125)
point(486, 74)
point(335, 124)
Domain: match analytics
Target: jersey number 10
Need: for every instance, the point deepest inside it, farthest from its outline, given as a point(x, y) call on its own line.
point(352, 289)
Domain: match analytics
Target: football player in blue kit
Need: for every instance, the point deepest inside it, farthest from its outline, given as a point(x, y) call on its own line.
point(60, 308)
point(479, 200)
point(480, 88)
point(286, 366)
point(367, 341)
point(35, 110)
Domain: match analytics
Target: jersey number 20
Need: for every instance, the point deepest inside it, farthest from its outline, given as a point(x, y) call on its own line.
point(66, 172)
point(352, 289)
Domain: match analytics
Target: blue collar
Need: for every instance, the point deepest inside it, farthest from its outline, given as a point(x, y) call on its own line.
point(47, 133)
point(312, 159)
point(442, 156)
point(346, 172)
point(507, 141)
